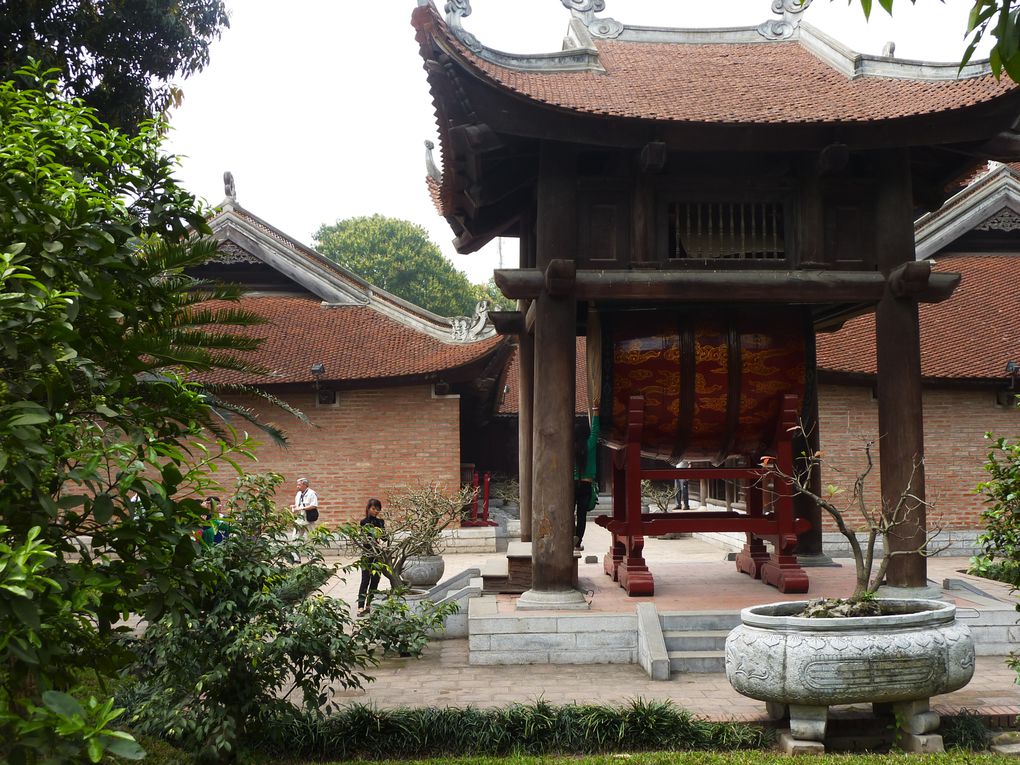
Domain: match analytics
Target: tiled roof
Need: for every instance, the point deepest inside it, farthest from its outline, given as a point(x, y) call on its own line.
point(727, 83)
point(510, 402)
point(970, 336)
point(353, 342)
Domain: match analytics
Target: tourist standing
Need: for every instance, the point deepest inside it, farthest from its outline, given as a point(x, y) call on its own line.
point(305, 508)
point(369, 577)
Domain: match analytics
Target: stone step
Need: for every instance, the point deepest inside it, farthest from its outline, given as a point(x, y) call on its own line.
point(685, 621)
point(697, 662)
point(695, 640)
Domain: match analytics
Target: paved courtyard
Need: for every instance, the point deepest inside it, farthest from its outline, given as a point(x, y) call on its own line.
point(690, 576)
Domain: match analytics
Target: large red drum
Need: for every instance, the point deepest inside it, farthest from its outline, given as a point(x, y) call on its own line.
point(712, 381)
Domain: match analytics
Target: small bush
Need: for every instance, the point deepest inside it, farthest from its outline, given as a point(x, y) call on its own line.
point(965, 731)
point(519, 729)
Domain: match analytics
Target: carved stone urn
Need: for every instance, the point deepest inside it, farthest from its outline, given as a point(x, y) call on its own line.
point(423, 571)
point(896, 662)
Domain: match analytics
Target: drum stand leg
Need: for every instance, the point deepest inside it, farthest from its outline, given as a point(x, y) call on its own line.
point(754, 555)
point(633, 573)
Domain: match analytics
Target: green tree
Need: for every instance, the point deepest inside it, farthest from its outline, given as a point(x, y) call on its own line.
point(1001, 537)
point(998, 18)
point(98, 326)
point(120, 57)
point(399, 257)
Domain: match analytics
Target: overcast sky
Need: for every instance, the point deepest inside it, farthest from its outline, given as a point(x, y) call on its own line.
point(320, 108)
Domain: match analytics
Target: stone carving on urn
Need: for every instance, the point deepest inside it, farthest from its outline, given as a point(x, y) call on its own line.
point(783, 28)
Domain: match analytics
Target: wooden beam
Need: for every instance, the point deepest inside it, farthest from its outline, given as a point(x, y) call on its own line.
point(807, 287)
point(507, 322)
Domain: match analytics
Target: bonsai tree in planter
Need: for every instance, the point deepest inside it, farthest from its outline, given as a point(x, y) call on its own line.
point(415, 520)
point(871, 560)
point(893, 654)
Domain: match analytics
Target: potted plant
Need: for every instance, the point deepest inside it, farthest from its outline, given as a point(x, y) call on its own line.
point(801, 657)
point(408, 550)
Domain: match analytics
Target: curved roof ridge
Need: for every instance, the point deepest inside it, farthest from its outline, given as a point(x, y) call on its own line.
point(331, 282)
point(580, 51)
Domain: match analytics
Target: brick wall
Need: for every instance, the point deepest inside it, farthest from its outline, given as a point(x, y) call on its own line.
point(955, 422)
point(371, 443)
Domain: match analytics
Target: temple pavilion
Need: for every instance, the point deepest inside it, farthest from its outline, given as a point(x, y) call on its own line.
point(730, 183)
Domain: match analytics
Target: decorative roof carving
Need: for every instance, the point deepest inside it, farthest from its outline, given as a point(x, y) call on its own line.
point(229, 191)
point(578, 56)
point(467, 329)
point(229, 253)
point(430, 163)
point(1004, 220)
point(783, 29)
point(585, 11)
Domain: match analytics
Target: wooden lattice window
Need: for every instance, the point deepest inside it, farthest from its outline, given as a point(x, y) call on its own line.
point(727, 230)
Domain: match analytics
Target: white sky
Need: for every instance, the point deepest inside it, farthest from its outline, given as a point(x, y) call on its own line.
point(320, 108)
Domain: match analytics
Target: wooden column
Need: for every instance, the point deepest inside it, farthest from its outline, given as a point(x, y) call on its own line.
point(555, 332)
point(898, 353)
point(525, 424)
point(809, 543)
point(526, 392)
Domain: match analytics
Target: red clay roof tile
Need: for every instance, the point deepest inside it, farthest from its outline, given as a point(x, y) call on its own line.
point(970, 336)
point(728, 83)
point(353, 342)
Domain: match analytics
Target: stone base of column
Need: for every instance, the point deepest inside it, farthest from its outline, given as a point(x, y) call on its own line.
point(552, 600)
point(817, 561)
point(928, 592)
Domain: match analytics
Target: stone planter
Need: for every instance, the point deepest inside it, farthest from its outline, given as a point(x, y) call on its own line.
point(424, 571)
point(895, 662)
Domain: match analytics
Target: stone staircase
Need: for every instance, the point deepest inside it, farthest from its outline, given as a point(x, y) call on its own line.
point(695, 641)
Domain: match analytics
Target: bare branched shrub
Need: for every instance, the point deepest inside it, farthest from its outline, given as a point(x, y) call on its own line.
point(889, 522)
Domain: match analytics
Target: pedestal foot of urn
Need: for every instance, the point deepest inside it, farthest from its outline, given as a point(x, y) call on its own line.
point(789, 745)
point(776, 711)
point(808, 723)
point(915, 717)
point(908, 742)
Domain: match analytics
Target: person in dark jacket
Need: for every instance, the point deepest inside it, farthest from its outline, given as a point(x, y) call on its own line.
point(369, 578)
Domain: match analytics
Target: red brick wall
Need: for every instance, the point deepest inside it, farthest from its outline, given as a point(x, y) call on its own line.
point(955, 422)
point(371, 443)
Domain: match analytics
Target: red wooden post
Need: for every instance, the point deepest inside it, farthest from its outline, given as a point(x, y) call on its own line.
point(633, 571)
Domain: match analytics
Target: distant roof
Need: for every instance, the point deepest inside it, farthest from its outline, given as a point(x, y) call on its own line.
point(970, 336)
point(354, 343)
point(975, 332)
point(727, 76)
point(329, 315)
point(510, 403)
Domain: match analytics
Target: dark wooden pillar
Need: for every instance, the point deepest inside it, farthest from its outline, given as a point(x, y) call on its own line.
point(809, 543)
point(552, 506)
point(526, 360)
point(898, 351)
point(525, 423)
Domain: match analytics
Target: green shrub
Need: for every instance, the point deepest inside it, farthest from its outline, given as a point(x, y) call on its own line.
point(1001, 538)
point(537, 729)
point(258, 642)
point(965, 731)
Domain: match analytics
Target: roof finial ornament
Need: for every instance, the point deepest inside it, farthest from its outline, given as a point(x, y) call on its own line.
point(783, 29)
point(585, 10)
point(228, 186)
point(889, 51)
point(455, 11)
point(430, 163)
